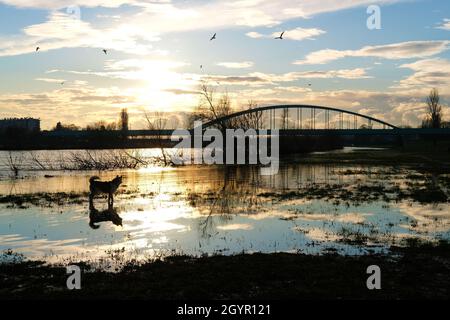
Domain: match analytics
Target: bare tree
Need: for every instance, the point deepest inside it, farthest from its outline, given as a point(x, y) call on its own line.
point(434, 109)
point(14, 163)
point(252, 120)
point(212, 108)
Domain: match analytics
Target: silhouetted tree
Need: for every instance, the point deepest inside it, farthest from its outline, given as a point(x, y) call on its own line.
point(253, 120)
point(211, 108)
point(366, 126)
point(65, 127)
point(123, 122)
point(101, 126)
point(434, 110)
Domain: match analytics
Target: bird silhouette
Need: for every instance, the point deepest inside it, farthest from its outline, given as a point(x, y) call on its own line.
point(213, 37)
point(201, 66)
point(105, 51)
point(281, 36)
point(309, 84)
point(37, 49)
point(62, 83)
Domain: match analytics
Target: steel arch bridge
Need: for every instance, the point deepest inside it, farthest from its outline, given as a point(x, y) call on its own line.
point(298, 122)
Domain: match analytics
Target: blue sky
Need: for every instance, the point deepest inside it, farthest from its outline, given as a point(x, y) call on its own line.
point(155, 49)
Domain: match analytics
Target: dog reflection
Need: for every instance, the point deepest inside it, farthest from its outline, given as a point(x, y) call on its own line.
point(110, 214)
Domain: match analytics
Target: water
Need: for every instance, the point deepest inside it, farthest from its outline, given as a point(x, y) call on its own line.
point(212, 209)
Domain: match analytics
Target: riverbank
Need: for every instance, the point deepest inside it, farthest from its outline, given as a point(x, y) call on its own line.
point(419, 271)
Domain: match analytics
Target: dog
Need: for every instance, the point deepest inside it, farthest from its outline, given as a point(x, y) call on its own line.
point(98, 187)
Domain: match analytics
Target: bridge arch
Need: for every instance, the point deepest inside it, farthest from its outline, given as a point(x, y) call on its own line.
point(294, 106)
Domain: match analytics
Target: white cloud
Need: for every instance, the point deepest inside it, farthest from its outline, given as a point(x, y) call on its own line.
point(297, 34)
point(401, 50)
point(236, 65)
point(254, 35)
point(300, 34)
point(445, 25)
point(158, 81)
point(165, 16)
point(50, 80)
point(428, 73)
point(161, 17)
point(58, 4)
point(260, 78)
point(61, 30)
point(233, 12)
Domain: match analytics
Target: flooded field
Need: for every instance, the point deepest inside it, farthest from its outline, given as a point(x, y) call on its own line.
point(205, 210)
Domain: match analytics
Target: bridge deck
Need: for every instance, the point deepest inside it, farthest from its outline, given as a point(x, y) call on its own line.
point(287, 132)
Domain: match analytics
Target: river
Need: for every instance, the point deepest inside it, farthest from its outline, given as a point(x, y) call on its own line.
point(203, 210)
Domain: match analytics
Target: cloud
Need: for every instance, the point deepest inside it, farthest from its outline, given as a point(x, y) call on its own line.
point(358, 73)
point(50, 80)
point(445, 25)
point(302, 34)
point(260, 78)
point(157, 74)
point(85, 104)
point(62, 30)
point(428, 73)
point(171, 17)
point(236, 65)
point(254, 35)
point(297, 34)
point(233, 12)
point(58, 4)
point(401, 50)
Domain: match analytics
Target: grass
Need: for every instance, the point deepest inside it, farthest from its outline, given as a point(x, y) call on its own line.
point(368, 192)
point(46, 199)
point(419, 271)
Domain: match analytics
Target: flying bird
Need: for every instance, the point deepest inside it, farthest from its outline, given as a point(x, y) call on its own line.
point(62, 83)
point(309, 84)
point(201, 66)
point(37, 49)
point(105, 51)
point(213, 37)
point(281, 36)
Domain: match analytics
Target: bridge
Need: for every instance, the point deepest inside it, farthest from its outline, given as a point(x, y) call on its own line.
point(342, 118)
point(290, 120)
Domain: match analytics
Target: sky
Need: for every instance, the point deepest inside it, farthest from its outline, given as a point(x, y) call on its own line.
point(159, 52)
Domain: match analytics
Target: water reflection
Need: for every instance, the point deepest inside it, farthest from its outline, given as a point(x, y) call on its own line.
point(197, 210)
point(108, 215)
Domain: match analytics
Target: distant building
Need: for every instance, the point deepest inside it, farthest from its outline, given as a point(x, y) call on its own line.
point(21, 125)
